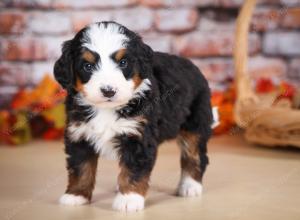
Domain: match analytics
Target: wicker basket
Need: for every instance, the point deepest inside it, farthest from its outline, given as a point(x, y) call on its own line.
point(264, 123)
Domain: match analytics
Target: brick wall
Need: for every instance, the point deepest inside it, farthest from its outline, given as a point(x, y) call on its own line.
point(31, 32)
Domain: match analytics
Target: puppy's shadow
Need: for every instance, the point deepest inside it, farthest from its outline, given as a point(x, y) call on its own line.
point(104, 200)
point(103, 196)
point(165, 194)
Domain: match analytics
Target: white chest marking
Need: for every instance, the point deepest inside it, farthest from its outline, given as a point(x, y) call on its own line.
point(102, 129)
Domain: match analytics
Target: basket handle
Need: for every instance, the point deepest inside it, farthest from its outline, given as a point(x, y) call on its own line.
point(242, 80)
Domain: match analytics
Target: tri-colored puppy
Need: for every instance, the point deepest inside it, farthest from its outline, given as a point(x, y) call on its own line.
point(123, 100)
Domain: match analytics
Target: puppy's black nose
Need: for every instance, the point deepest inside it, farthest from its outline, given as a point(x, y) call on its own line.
point(107, 91)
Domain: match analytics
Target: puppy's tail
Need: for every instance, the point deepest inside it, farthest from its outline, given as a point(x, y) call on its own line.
point(216, 120)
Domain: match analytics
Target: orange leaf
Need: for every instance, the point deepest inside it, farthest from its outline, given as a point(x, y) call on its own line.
point(53, 134)
point(264, 85)
point(217, 98)
point(21, 100)
point(287, 90)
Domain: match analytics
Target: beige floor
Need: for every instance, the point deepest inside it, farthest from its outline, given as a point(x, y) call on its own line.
point(242, 182)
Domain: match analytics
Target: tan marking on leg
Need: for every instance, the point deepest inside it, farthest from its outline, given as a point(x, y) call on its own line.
point(89, 56)
point(190, 161)
point(120, 54)
point(127, 185)
point(83, 183)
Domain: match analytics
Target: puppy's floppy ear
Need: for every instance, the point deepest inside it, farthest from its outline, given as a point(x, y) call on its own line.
point(145, 51)
point(63, 66)
point(145, 56)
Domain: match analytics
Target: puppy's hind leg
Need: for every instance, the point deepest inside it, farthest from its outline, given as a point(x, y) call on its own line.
point(193, 139)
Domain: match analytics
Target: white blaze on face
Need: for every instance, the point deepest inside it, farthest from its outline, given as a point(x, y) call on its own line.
point(106, 40)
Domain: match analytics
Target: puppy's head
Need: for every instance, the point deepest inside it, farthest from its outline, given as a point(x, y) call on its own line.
point(106, 64)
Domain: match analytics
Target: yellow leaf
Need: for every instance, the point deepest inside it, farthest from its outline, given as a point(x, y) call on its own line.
point(56, 115)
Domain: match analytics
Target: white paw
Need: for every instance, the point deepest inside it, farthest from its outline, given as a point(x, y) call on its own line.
point(188, 187)
point(216, 117)
point(72, 200)
point(131, 202)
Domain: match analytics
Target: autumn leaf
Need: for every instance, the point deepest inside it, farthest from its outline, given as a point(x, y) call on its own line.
point(287, 90)
point(19, 132)
point(21, 100)
point(53, 134)
point(226, 118)
point(56, 115)
point(264, 85)
point(46, 95)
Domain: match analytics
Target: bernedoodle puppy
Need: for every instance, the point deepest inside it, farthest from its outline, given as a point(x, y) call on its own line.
point(123, 100)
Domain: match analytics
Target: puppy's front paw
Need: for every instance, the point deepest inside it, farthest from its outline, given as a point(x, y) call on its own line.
point(72, 200)
point(188, 187)
point(131, 202)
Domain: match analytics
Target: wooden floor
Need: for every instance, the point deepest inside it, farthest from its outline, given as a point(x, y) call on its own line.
point(242, 182)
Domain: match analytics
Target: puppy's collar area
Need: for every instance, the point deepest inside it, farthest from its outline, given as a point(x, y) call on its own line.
point(136, 105)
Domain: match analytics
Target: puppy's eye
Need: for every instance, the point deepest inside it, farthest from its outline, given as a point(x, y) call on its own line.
point(123, 63)
point(87, 67)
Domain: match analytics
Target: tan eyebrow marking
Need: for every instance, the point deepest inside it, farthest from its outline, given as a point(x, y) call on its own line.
point(88, 56)
point(120, 54)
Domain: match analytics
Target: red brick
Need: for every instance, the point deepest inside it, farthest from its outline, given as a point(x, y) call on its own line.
point(50, 23)
point(39, 70)
point(198, 3)
point(53, 45)
point(158, 42)
point(291, 18)
point(12, 22)
point(23, 74)
point(14, 74)
point(262, 67)
point(268, 2)
point(6, 94)
point(218, 86)
point(30, 3)
point(156, 3)
point(24, 49)
point(92, 4)
point(208, 24)
point(206, 44)
point(32, 49)
point(222, 70)
point(239, 3)
point(137, 19)
point(176, 20)
point(282, 43)
point(290, 2)
point(215, 69)
point(266, 19)
point(294, 70)
point(177, 3)
point(231, 3)
point(203, 3)
point(80, 19)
